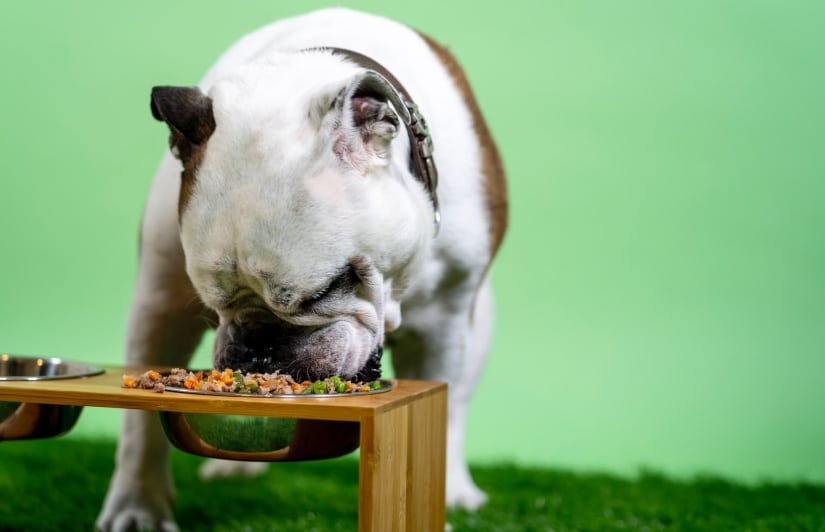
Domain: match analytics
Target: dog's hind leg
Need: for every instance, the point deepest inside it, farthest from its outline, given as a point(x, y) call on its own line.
point(166, 322)
point(461, 490)
point(449, 339)
point(214, 468)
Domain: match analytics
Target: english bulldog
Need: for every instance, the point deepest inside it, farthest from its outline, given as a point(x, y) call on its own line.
point(331, 189)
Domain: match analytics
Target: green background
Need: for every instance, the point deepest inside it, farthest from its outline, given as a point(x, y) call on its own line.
point(660, 293)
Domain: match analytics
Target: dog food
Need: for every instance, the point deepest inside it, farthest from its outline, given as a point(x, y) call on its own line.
point(233, 381)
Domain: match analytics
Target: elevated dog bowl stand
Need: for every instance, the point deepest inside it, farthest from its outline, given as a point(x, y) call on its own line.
point(401, 484)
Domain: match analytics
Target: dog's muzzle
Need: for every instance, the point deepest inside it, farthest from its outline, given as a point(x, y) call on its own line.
point(305, 353)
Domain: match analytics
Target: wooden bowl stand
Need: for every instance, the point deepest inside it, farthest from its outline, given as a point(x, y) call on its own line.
point(401, 484)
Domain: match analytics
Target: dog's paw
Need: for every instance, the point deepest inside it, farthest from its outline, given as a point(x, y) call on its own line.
point(463, 494)
point(214, 468)
point(130, 510)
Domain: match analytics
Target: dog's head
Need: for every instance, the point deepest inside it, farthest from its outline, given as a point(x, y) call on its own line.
point(299, 220)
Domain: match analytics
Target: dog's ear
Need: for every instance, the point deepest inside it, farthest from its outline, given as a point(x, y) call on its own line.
point(366, 122)
point(188, 113)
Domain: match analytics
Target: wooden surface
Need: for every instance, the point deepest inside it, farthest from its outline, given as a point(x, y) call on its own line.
point(403, 467)
point(105, 390)
point(402, 435)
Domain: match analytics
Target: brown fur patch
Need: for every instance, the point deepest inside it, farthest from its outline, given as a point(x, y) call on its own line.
point(187, 182)
point(492, 167)
point(188, 113)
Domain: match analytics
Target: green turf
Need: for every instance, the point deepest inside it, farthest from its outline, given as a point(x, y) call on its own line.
point(58, 485)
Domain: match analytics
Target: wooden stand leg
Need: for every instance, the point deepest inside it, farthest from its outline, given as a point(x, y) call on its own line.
point(402, 469)
point(427, 463)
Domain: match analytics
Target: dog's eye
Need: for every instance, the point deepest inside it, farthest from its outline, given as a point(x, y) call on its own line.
point(345, 281)
point(321, 293)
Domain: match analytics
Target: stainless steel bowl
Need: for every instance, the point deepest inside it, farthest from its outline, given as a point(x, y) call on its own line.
point(258, 438)
point(263, 439)
point(21, 421)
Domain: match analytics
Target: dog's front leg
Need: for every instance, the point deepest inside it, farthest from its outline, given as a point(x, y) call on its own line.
point(165, 326)
point(166, 322)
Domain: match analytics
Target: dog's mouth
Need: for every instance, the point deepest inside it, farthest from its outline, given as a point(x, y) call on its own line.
point(270, 364)
point(372, 369)
point(302, 354)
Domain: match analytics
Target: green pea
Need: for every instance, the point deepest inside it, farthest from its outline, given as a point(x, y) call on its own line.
point(375, 385)
point(319, 387)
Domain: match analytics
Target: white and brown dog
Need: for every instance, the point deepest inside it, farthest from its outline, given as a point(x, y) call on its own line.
point(297, 210)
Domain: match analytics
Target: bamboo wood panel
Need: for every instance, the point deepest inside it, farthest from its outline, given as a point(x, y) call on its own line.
point(426, 463)
point(403, 467)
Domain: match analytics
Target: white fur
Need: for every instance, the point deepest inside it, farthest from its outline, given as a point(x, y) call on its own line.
point(215, 469)
point(271, 152)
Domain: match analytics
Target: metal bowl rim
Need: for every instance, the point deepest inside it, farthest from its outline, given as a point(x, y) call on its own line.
point(87, 370)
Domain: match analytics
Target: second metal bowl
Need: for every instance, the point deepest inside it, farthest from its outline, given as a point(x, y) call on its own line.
point(22, 421)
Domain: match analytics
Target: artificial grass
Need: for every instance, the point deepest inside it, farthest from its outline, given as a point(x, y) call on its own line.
point(59, 484)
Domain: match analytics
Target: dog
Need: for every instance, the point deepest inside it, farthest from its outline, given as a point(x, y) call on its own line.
point(331, 189)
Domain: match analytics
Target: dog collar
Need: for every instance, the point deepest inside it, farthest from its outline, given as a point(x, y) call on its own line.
point(422, 164)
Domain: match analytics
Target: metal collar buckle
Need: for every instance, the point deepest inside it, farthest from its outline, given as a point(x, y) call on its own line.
point(424, 145)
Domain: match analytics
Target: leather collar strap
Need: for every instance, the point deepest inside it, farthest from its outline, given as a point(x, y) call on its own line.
point(422, 164)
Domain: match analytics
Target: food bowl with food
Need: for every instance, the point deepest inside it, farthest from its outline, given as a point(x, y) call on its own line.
point(256, 438)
